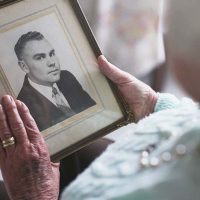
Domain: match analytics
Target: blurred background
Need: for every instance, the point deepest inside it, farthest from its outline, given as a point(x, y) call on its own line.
point(129, 34)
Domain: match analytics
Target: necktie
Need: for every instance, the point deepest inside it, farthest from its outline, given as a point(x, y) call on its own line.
point(60, 103)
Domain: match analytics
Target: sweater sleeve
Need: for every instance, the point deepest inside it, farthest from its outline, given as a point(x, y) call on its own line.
point(166, 101)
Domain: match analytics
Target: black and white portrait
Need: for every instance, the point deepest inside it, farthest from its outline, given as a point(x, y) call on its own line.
point(49, 62)
point(41, 78)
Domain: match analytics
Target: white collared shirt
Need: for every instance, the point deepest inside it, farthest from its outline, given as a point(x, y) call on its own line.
point(47, 92)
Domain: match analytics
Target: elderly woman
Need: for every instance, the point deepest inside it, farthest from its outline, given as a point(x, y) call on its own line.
point(160, 160)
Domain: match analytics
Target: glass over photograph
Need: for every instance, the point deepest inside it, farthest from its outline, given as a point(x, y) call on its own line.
point(46, 85)
point(47, 90)
point(49, 62)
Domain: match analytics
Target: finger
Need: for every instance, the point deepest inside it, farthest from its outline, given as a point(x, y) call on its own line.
point(29, 123)
point(14, 120)
point(56, 171)
point(112, 72)
point(26, 115)
point(2, 155)
point(2, 152)
point(55, 165)
point(5, 132)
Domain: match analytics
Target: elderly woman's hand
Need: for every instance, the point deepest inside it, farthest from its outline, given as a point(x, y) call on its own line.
point(139, 96)
point(25, 163)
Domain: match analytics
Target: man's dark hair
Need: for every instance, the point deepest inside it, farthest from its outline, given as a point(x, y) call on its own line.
point(30, 36)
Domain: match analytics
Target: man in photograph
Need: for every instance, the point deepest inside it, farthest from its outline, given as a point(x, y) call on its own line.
point(51, 94)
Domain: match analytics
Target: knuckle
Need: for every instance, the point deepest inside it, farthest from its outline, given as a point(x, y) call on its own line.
point(34, 156)
point(31, 123)
point(44, 154)
point(42, 149)
point(30, 153)
point(17, 126)
point(6, 133)
point(10, 107)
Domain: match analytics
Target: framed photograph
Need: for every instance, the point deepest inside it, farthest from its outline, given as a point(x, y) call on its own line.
point(49, 61)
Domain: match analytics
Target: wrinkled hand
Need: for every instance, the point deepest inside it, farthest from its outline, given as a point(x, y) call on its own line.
point(139, 96)
point(26, 167)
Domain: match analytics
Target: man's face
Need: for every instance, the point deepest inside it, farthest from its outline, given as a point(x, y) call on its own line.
point(40, 62)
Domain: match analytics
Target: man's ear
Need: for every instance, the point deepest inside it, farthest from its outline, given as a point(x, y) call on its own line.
point(23, 66)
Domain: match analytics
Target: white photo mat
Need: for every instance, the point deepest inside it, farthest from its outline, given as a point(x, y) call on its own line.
point(58, 22)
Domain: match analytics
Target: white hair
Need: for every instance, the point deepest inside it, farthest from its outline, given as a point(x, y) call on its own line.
point(182, 27)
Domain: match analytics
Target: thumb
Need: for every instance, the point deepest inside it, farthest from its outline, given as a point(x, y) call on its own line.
point(112, 72)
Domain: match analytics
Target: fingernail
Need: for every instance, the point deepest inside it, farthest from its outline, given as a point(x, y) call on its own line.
point(6, 98)
point(103, 57)
point(2, 116)
point(18, 102)
point(23, 105)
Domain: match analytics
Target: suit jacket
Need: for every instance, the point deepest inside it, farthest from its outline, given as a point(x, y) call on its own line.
point(45, 113)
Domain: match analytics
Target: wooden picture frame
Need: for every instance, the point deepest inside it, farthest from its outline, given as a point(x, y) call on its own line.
point(68, 43)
